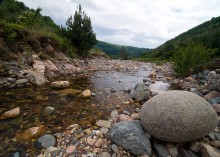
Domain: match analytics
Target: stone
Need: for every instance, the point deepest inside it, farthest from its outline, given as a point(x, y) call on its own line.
point(115, 148)
point(123, 117)
point(211, 135)
point(159, 86)
point(50, 66)
point(212, 94)
point(49, 110)
point(140, 94)
point(104, 130)
point(50, 51)
point(215, 143)
point(60, 84)
point(46, 141)
point(99, 142)
point(103, 123)
point(216, 107)
point(208, 151)
point(51, 150)
point(189, 79)
point(173, 152)
point(189, 153)
point(31, 133)
point(86, 93)
point(21, 81)
point(131, 137)
point(135, 116)
point(36, 78)
point(212, 74)
point(215, 100)
point(213, 87)
point(91, 141)
point(69, 67)
point(15, 154)
point(11, 113)
point(39, 67)
point(114, 114)
point(178, 116)
point(195, 146)
point(217, 135)
point(161, 151)
point(70, 149)
point(105, 154)
point(126, 112)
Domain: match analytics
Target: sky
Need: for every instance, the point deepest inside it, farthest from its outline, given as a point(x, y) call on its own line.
point(140, 23)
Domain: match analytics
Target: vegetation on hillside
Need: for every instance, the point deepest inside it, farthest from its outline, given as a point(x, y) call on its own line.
point(113, 50)
point(206, 34)
point(192, 50)
point(24, 27)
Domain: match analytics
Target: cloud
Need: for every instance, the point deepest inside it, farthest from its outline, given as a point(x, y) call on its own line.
point(142, 23)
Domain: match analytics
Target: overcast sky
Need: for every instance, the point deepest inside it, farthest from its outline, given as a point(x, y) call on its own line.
point(141, 23)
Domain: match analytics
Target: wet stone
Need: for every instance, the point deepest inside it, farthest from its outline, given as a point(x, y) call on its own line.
point(46, 141)
point(160, 150)
point(49, 110)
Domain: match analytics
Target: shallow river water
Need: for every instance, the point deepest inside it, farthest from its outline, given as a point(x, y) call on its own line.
point(108, 92)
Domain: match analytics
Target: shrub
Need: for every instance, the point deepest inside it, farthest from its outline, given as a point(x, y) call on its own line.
point(194, 57)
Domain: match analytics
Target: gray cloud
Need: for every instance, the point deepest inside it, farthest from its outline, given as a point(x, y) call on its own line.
point(142, 23)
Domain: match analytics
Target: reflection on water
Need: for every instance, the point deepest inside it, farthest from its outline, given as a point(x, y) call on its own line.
point(69, 106)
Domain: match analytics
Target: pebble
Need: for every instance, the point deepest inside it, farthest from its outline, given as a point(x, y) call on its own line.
point(91, 141)
point(115, 148)
point(114, 114)
point(103, 123)
point(99, 142)
point(70, 149)
point(105, 154)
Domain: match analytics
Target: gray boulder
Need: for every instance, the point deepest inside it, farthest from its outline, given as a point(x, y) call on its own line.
point(178, 116)
point(140, 94)
point(131, 137)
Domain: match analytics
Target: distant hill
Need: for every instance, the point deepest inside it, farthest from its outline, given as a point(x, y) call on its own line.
point(113, 50)
point(207, 34)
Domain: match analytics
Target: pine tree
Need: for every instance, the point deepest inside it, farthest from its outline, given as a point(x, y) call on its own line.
point(79, 31)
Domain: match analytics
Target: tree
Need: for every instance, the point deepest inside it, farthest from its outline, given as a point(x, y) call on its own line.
point(123, 53)
point(79, 31)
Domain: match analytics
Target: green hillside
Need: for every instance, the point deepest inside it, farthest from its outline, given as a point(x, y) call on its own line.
point(113, 50)
point(207, 34)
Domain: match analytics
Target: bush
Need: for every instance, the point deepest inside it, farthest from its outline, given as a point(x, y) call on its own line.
point(194, 57)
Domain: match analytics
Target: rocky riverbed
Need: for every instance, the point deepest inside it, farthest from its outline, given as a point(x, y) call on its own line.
point(108, 122)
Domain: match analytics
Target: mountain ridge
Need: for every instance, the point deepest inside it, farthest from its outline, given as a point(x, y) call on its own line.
point(113, 50)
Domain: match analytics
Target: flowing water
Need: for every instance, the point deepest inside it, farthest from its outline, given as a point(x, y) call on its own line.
point(108, 88)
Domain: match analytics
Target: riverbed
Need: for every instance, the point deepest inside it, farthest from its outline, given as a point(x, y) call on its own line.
point(110, 90)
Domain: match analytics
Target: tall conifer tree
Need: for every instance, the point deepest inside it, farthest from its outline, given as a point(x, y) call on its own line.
point(79, 31)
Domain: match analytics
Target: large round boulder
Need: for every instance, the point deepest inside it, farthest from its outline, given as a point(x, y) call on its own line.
point(178, 116)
